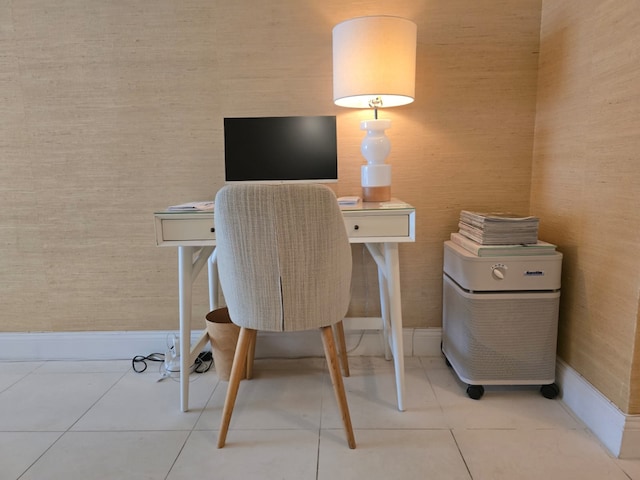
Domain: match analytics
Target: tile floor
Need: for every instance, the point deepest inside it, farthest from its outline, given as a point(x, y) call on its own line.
point(100, 420)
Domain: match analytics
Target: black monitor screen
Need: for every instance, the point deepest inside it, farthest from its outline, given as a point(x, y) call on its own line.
point(280, 149)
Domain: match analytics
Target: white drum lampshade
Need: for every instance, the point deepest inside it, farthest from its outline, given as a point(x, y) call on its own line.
point(374, 66)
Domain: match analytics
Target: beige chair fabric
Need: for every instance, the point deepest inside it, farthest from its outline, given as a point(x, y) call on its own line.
point(284, 263)
point(283, 256)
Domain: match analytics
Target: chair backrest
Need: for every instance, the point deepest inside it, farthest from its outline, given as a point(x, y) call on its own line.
point(284, 258)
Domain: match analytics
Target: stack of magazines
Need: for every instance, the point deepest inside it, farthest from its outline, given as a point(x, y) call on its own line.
point(494, 234)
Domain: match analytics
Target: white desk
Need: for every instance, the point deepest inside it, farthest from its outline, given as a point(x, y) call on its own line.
point(380, 226)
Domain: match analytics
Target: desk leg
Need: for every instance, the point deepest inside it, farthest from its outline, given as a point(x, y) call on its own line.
point(395, 310)
point(384, 311)
point(189, 265)
point(185, 279)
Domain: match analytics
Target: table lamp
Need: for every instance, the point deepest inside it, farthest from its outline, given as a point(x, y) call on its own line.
point(374, 66)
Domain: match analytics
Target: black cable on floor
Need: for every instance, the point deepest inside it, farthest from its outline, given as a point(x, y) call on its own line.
point(152, 357)
point(202, 363)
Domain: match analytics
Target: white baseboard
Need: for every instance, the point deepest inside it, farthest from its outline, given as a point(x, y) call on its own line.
point(620, 433)
point(38, 346)
point(125, 345)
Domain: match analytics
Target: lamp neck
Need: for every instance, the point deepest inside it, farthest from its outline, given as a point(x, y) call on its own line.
point(375, 103)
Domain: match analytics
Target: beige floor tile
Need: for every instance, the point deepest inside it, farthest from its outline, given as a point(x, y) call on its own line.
point(630, 467)
point(500, 407)
point(275, 398)
point(109, 456)
point(434, 363)
point(45, 402)
point(7, 380)
point(372, 398)
point(396, 454)
point(12, 372)
point(22, 368)
point(101, 420)
point(19, 450)
point(249, 454)
point(558, 454)
point(86, 366)
point(139, 402)
point(310, 364)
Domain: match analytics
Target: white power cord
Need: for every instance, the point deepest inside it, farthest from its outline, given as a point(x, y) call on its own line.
point(171, 358)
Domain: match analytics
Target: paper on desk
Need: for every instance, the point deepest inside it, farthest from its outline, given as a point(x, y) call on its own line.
point(394, 205)
point(192, 206)
point(353, 200)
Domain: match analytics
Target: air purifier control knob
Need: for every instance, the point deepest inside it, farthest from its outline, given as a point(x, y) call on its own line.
point(498, 272)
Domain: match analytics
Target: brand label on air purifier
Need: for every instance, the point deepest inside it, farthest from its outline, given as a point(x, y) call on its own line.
point(534, 273)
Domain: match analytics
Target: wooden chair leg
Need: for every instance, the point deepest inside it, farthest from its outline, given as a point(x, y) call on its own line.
point(251, 353)
point(336, 379)
point(237, 372)
point(342, 347)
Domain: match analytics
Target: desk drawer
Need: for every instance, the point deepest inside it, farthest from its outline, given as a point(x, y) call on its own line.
point(194, 229)
point(177, 230)
point(362, 226)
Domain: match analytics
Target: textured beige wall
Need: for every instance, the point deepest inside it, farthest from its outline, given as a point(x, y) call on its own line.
point(586, 184)
point(113, 109)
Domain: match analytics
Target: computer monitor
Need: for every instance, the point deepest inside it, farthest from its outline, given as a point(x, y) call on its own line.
point(280, 149)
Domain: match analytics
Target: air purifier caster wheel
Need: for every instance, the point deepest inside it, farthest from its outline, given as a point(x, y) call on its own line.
point(475, 391)
point(550, 391)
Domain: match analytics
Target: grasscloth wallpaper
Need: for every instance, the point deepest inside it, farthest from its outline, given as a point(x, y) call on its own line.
point(586, 184)
point(112, 110)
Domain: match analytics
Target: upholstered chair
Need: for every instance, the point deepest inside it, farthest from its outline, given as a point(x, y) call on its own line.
point(284, 263)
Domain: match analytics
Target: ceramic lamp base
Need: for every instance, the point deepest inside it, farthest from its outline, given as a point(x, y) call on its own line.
point(376, 194)
point(376, 183)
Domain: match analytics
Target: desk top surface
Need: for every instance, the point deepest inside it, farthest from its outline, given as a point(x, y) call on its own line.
point(393, 204)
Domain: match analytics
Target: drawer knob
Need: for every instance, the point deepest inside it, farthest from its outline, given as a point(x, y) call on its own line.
point(213, 230)
point(356, 227)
